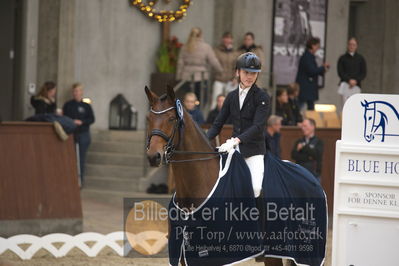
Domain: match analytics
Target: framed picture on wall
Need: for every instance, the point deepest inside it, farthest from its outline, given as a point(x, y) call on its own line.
point(294, 22)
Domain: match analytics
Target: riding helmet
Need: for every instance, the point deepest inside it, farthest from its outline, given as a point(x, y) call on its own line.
point(249, 62)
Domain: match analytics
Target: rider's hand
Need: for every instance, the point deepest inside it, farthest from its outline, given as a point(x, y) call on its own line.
point(229, 145)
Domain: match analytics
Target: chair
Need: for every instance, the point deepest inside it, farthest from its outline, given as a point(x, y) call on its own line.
point(315, 116)
point(332, 120)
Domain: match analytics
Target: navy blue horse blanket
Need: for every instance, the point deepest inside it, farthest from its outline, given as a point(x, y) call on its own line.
point(231, 226)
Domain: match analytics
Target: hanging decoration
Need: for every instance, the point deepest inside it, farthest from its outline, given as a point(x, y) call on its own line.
point(162, 15)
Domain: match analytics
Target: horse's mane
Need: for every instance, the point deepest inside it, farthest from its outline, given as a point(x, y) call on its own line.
point(201, 132)
point(198, 128)
point(163, 98)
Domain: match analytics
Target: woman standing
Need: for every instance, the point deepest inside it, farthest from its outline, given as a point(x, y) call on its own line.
point(308, 73)
point(192, 64)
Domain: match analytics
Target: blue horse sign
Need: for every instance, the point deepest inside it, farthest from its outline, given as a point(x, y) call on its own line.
point(366, 193)
point(376, 118)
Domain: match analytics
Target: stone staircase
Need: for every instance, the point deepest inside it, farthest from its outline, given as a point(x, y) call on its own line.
point(115, 164)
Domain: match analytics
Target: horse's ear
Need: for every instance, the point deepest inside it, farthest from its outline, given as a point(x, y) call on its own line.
point(152, 97)
point(365, 103)
point(170, 93)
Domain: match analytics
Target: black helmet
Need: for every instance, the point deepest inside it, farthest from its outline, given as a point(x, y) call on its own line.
point(249, 62)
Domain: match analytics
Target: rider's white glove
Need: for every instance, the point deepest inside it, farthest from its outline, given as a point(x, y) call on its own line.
point(229, 145)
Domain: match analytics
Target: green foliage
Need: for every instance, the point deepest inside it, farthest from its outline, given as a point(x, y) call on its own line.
point(167, 56)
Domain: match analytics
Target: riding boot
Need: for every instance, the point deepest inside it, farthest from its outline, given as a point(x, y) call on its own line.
point(260, 205)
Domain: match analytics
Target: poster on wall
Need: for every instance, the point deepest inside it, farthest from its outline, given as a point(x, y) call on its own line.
point(295, 21)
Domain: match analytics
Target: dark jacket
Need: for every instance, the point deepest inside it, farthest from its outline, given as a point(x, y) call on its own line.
point(80, 111)
point(248, 123)
point(212, 116)
point(352, 67)
point(307, 77)
point(273, 143)
point(43, 105)
point(284, 111)
point(197, 116)
point(296, 110)
point(310, 156)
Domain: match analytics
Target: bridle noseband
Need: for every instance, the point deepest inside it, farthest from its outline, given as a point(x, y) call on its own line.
point(170, 147)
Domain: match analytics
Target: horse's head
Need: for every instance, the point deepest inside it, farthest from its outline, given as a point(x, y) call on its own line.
point(163, 123)
point(369, 119)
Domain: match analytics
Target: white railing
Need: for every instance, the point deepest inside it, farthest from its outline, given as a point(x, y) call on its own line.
point(78, 241)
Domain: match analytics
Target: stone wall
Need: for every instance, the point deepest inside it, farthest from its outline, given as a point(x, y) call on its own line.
point(111, 47)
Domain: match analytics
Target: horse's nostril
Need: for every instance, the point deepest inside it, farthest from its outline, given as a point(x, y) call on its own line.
point(155, 159)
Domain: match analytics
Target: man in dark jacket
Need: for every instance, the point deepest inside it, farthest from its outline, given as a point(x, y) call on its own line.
point(308, 150)
point(273, 135)
point(83, 116)
point(352, 70)
point(214, 113)
point(190, 100)
point(248, 107)
point(308, 74)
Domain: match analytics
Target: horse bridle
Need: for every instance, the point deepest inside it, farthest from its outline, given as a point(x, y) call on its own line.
point(170, 148)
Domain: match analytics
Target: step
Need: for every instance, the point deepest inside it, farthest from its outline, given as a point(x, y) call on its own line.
point(116, 158)
point(118, 146)
point(114, 197)
point(104, 170)
point(118, 135)
point(112, 183)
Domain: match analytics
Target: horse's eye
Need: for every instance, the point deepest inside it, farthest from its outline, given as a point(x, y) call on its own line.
point(172, 119)
point(369, 117)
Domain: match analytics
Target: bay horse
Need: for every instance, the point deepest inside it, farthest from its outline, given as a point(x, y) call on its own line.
point(175, 139)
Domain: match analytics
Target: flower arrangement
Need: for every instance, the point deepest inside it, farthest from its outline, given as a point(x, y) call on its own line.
point(168, 54)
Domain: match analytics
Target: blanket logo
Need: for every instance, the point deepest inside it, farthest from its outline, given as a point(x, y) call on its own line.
point(376, 115)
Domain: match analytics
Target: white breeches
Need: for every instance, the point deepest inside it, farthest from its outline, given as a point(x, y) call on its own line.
point(256, 166)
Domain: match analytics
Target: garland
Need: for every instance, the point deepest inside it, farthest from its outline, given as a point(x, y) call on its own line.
point(163, 15)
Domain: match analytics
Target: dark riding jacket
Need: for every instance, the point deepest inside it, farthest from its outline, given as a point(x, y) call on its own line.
point(248, 123)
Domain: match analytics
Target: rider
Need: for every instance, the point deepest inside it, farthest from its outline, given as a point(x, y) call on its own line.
point(247, 106)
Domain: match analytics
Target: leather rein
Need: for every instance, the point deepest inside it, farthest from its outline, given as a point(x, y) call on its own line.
point(170, 148)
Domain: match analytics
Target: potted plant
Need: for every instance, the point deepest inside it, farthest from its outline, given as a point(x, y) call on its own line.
point(166, 65)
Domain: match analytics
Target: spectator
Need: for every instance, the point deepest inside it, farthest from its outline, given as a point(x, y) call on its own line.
point(352, 70)
point(214, 113)
point(190, 100)
point(44, 102)
point(45, 107)
point(194, 59)
point(250, 46)
point(83, 117)
point(272, 136)
point(308, 150)
point(283, 108)
point(225, 80)
point(293, 92)
point(308, 74)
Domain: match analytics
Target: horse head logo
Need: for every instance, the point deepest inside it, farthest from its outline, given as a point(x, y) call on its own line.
point(376, 120)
